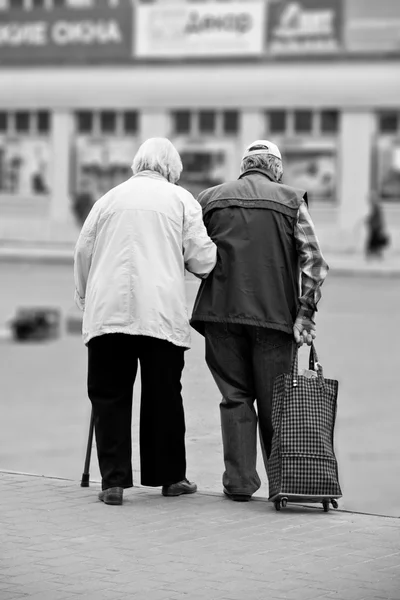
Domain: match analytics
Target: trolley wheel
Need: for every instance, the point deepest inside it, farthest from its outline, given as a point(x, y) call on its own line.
point(325, 504)
point(277, 504)
point(334, 503)
point(284, 502)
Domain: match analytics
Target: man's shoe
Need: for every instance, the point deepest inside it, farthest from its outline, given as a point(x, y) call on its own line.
point(237, 497)
point(112, 495)
point(177, 489)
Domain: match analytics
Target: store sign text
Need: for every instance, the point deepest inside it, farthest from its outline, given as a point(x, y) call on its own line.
point(233, 22)
point(61, 33)
point(305, 25)
point(296, 21)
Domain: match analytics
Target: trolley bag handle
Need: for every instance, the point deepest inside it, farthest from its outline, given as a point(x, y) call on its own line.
point(313, 365)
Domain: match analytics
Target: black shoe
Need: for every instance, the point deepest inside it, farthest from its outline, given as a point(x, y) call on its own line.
point(112, 495)
point(237, 497)
point(177, 489)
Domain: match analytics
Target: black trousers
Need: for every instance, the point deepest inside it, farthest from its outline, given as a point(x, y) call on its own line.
point(112, 367)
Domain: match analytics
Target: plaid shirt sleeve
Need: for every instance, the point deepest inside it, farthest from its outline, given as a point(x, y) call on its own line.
point(313, 268)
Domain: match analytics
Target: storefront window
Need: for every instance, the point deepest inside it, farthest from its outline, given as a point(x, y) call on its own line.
point(388, 170)
point(202, 168)
point(386, 157)
point(308, 142)
point(25, 155)
point(313, 171)
point(105, 146)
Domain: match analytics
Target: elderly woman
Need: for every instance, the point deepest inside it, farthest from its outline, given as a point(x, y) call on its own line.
point(130, 261)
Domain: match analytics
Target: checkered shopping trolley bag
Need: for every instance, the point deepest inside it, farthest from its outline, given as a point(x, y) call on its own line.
point(302, 466)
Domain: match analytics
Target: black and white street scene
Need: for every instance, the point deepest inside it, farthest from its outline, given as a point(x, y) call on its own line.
point(199, 299)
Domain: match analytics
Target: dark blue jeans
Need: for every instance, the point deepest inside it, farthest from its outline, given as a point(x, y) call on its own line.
point(244, 361)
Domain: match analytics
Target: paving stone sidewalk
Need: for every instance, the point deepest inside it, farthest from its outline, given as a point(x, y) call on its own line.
point(58, 542)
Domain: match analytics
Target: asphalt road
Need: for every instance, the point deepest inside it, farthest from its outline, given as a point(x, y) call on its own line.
point(44, 410)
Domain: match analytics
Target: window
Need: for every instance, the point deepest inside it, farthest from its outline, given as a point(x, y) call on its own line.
point(181, 121)
point(22, 122)
point(43, 121)
point(25, 122)
point(207, 121)
point(388, 122)
point(17, 3)
point(303, 121)
point(84, 121)
point(108, 120)
point(130, 122)
point(329, 121)
point(3, 121)
point(230, 121)
point(277, 121)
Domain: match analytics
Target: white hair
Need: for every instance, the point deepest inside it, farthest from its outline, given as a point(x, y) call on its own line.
point(158, 154)
point(266, 162)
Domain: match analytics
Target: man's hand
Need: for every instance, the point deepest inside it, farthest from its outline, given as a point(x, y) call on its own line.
point(304, 331)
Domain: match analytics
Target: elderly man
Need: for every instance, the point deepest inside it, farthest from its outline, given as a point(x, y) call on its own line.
point(251, 309)
point(130, 260)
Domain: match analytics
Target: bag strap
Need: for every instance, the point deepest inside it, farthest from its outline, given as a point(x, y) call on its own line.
point(313, 358)
point(313, 364)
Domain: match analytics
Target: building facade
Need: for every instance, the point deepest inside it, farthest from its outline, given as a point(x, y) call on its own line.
point(84, 82)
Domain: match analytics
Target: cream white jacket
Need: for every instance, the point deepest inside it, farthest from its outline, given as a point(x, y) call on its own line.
point(130, 260)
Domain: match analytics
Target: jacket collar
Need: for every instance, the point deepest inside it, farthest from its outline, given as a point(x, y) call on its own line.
point(255, 170)
point(152, 174)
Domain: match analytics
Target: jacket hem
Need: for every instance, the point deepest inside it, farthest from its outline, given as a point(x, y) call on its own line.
point(198, 323)
point(106, 330)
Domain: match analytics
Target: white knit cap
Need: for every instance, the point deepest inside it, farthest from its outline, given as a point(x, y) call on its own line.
point(262, 147)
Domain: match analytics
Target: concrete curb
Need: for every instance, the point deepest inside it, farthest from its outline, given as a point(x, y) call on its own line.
point(199, 493)
point(350, 265)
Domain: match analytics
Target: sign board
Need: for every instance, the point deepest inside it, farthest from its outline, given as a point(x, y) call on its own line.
point(372, 27)
point(304, 27)
point(65, 35)
point(200, 29)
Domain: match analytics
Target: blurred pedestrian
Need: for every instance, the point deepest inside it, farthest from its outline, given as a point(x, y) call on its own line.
point(130, 261)
point(377, 236)
point(83, 202)
point(250, 309)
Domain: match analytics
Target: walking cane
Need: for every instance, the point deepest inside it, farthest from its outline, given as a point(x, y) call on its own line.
point(85, 474)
